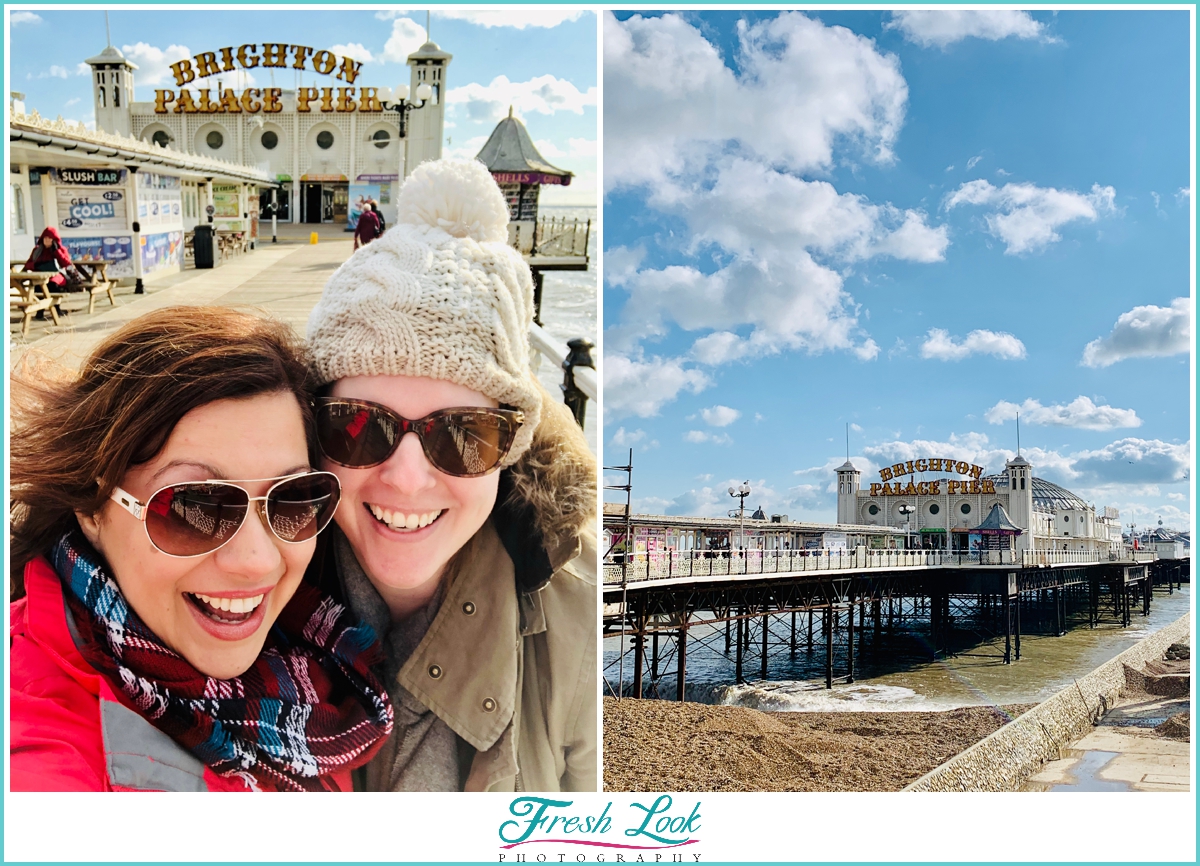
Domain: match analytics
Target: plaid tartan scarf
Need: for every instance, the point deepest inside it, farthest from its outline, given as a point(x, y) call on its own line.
point(309, 706)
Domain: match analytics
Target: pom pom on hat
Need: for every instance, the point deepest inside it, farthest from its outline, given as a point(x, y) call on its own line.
point(441, 294)
point(458, 197)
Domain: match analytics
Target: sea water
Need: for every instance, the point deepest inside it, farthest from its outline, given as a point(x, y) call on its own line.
point(899, 675)
point(569, 308)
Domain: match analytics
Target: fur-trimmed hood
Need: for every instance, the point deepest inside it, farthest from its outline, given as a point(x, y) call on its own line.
point(546, 508)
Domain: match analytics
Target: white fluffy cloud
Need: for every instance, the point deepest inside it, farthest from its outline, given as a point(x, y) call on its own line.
point(640, 386)
point(518, 18)
point(719, 416)
point(355, 51)
point(53, 72)
point(1134, 461)
point(544, 95)
point(725, 153)
point(1027, 217)
point(1144, 332)
point(940, 346)
point(24, 18)
point(154, 63)
point(700, 436)
point(1081, 413)
point(943, 27)
point(803, 85)
point(406, 37)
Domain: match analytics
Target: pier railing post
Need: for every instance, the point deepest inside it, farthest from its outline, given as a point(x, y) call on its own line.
point(766, 631)
point(639, 661)
point(828, 623)
point(681, 673)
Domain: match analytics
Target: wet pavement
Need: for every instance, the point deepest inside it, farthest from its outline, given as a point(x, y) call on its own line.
point(1123, 753)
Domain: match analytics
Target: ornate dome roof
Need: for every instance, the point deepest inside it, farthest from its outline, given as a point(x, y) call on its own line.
point(1047, 496)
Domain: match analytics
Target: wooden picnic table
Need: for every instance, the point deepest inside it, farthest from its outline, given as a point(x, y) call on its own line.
point(29, 292)
point(96, 280)
point(96, 274)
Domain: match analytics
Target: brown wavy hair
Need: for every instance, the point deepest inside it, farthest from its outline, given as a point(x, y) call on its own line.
point(74, 435)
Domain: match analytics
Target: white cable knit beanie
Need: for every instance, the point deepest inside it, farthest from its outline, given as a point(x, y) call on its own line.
point(440, 294)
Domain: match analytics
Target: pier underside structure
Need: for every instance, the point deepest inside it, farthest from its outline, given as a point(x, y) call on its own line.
point(839, 615)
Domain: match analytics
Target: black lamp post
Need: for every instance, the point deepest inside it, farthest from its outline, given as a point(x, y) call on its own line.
point(740, 493)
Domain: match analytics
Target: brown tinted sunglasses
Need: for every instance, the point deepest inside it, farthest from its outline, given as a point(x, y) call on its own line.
point(464, 442)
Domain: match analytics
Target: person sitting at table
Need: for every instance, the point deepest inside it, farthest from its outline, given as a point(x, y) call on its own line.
point(50, 254)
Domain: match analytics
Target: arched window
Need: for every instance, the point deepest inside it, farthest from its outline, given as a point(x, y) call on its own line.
point(1022, 482)
point(116, 97)
point(103, 98)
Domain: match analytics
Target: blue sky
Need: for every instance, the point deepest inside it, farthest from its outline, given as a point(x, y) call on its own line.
point(542, 61)
point(917, 224)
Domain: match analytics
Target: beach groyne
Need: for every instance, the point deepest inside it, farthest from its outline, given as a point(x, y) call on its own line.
point(1006, 758)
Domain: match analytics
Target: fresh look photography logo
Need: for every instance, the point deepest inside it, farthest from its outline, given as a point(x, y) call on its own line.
point(639, 833)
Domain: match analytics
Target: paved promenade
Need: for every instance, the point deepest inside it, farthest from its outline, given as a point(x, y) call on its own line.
point(284, 280)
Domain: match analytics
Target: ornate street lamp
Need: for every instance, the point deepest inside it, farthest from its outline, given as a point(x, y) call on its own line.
point(907, 510)
point(740, 493)
point(397, 100)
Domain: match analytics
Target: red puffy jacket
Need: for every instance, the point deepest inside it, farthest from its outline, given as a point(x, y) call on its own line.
point(71, 731)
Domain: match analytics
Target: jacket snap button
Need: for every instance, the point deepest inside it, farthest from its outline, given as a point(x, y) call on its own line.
point(435, 671)
point(468, 607)
point(489, 705)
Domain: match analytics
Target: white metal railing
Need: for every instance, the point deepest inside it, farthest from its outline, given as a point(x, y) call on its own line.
point(546, 348)
point(675, 564)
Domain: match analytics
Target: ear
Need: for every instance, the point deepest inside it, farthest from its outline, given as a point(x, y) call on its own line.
point(90, 524)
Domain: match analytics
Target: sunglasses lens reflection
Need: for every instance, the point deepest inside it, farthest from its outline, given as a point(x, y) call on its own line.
point(191, 519)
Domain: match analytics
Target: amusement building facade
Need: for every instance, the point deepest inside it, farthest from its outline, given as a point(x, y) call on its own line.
point(207, 151)
point(942, 503)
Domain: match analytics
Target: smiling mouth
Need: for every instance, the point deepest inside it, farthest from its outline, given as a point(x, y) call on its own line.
point(402, 522)
point(226, 611)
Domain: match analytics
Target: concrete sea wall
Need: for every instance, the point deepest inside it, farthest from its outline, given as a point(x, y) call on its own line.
point(1004, 760)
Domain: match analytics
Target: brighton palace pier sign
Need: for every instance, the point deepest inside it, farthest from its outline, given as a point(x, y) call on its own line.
point(891, 487)
point(274, 55)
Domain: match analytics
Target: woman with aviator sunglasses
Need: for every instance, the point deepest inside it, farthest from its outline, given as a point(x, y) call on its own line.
point(165, 511)
point(466, 533)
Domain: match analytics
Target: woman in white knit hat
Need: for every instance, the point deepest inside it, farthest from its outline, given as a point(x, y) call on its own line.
point(470, 544)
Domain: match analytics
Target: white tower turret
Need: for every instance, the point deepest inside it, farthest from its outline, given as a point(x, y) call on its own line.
point(112, 90)
point(1020, 499)
point(425, 124)
point(848, 486)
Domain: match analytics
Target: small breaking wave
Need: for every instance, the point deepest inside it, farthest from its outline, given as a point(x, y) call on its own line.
point(812, 697)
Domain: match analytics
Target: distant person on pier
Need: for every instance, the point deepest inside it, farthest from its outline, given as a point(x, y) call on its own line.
point(378, 215)
point(467, 532)
point(368, 227)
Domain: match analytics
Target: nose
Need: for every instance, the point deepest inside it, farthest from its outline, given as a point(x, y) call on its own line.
point(408, 470)
point(254, 551)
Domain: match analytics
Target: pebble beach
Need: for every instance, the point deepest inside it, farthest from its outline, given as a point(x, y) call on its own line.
point(671, 746)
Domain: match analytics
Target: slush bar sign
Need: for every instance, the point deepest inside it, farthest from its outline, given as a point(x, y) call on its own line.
point(89, 176)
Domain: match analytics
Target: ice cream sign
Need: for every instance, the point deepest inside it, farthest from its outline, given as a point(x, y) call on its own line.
point(81, 208)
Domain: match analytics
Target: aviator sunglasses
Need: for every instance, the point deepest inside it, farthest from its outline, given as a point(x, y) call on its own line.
point(198, 517)
point(464, 442)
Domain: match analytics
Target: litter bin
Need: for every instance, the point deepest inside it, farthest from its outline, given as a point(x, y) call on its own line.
point(202, 246)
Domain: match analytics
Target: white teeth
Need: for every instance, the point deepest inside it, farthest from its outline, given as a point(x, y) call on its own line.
point(233, 605)
point(399, 520)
